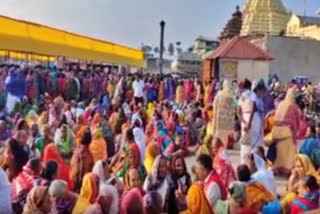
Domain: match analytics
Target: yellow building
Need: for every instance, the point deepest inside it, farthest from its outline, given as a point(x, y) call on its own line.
point(304, 27)
point(264, 17)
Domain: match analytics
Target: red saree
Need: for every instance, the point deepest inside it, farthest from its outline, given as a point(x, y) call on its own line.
point(51, 153)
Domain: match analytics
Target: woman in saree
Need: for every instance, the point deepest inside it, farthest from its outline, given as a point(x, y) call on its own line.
point(101, 168)
point(303, 167)
point(256, 194)
point(31, 89)
point(132, 202)
point(284, 133)
point(79, 124)
point(199, 92)
point(161, 91)
point(107, 201)
point(43, 119)
point(98, 146)
point(310, 147)
point(25, 181)
point(38, 201)
point(82, 129)
point(55, 111)
point(222, 163)
point(150, 110)
point(114, 119)
point(152, 203)
point(179, 180)
point(15, 157)
point(133, 160)
point(81, 161)
point(51, 153)
point(158, 179)
point(250, 109)
point(132, 180)
point(21, 132)
point(308, 198)
point(261, 174)
point(110, 87)
point(149, 132)
point(64, 141)
point(180, 97)
point(88, 194)
point(5, 133)
point(44, 139)
point(64, 200)
point(236, 202)
point(196, 200)
point(152, 151)
point(205, 148)
point(207, 92)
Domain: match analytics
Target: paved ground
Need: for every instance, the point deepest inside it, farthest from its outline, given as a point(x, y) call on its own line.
point(235, 159)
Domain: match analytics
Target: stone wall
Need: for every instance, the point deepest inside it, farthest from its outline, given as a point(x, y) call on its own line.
point(293, 57)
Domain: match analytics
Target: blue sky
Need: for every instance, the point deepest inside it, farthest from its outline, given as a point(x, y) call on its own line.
point(133, 22)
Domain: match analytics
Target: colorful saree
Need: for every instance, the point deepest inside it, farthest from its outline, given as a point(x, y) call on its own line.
point(224, 168)
point(257, 195)
point(180, 98)
point(284, 133)
point(98, 146)
point(90, 187)
point(23, 183)
point(152, 152)
point(197, 201)
point(51, 152)
point(136, 163)
point(308, 202)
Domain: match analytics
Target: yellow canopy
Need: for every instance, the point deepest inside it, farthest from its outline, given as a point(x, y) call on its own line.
point(22, 36)
point(25, 56)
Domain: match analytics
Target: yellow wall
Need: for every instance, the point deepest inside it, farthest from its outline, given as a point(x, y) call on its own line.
point(22, 36)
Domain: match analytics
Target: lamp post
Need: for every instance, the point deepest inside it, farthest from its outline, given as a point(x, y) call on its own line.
point(162, 25)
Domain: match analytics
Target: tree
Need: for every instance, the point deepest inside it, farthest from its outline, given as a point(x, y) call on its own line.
point(171, 49)
point(147, 49)
point(156, 50)
point(179, 50)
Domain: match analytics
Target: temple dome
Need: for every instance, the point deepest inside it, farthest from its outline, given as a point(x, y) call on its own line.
point(233, 26)
point(264, 17)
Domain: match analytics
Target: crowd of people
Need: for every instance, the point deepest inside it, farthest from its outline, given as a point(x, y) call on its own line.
point(99, 142)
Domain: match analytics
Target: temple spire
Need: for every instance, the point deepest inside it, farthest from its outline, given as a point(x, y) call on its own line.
point(233, 26)
point(264, 17)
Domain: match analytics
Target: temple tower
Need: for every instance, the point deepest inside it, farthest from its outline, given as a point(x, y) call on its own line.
point(233, 26)
point(264, 17)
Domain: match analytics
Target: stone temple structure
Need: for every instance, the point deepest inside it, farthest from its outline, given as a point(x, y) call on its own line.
point(233, 26)
point(264, 17)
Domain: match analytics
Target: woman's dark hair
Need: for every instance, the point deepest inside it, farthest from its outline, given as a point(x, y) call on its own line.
point(174, 160)
point(63, 121)
point(247, 84)
point(260, 151)
point(35, 164)
point(310, 182)
point(152, 202)
point(20, 156)
point(129, 135)
point(243, 173)
point(21, 124)
point(206, 161)
point(313, 130)
point(50, 170)
point(86, 138)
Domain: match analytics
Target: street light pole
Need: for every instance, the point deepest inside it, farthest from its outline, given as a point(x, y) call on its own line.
point(162, 25)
